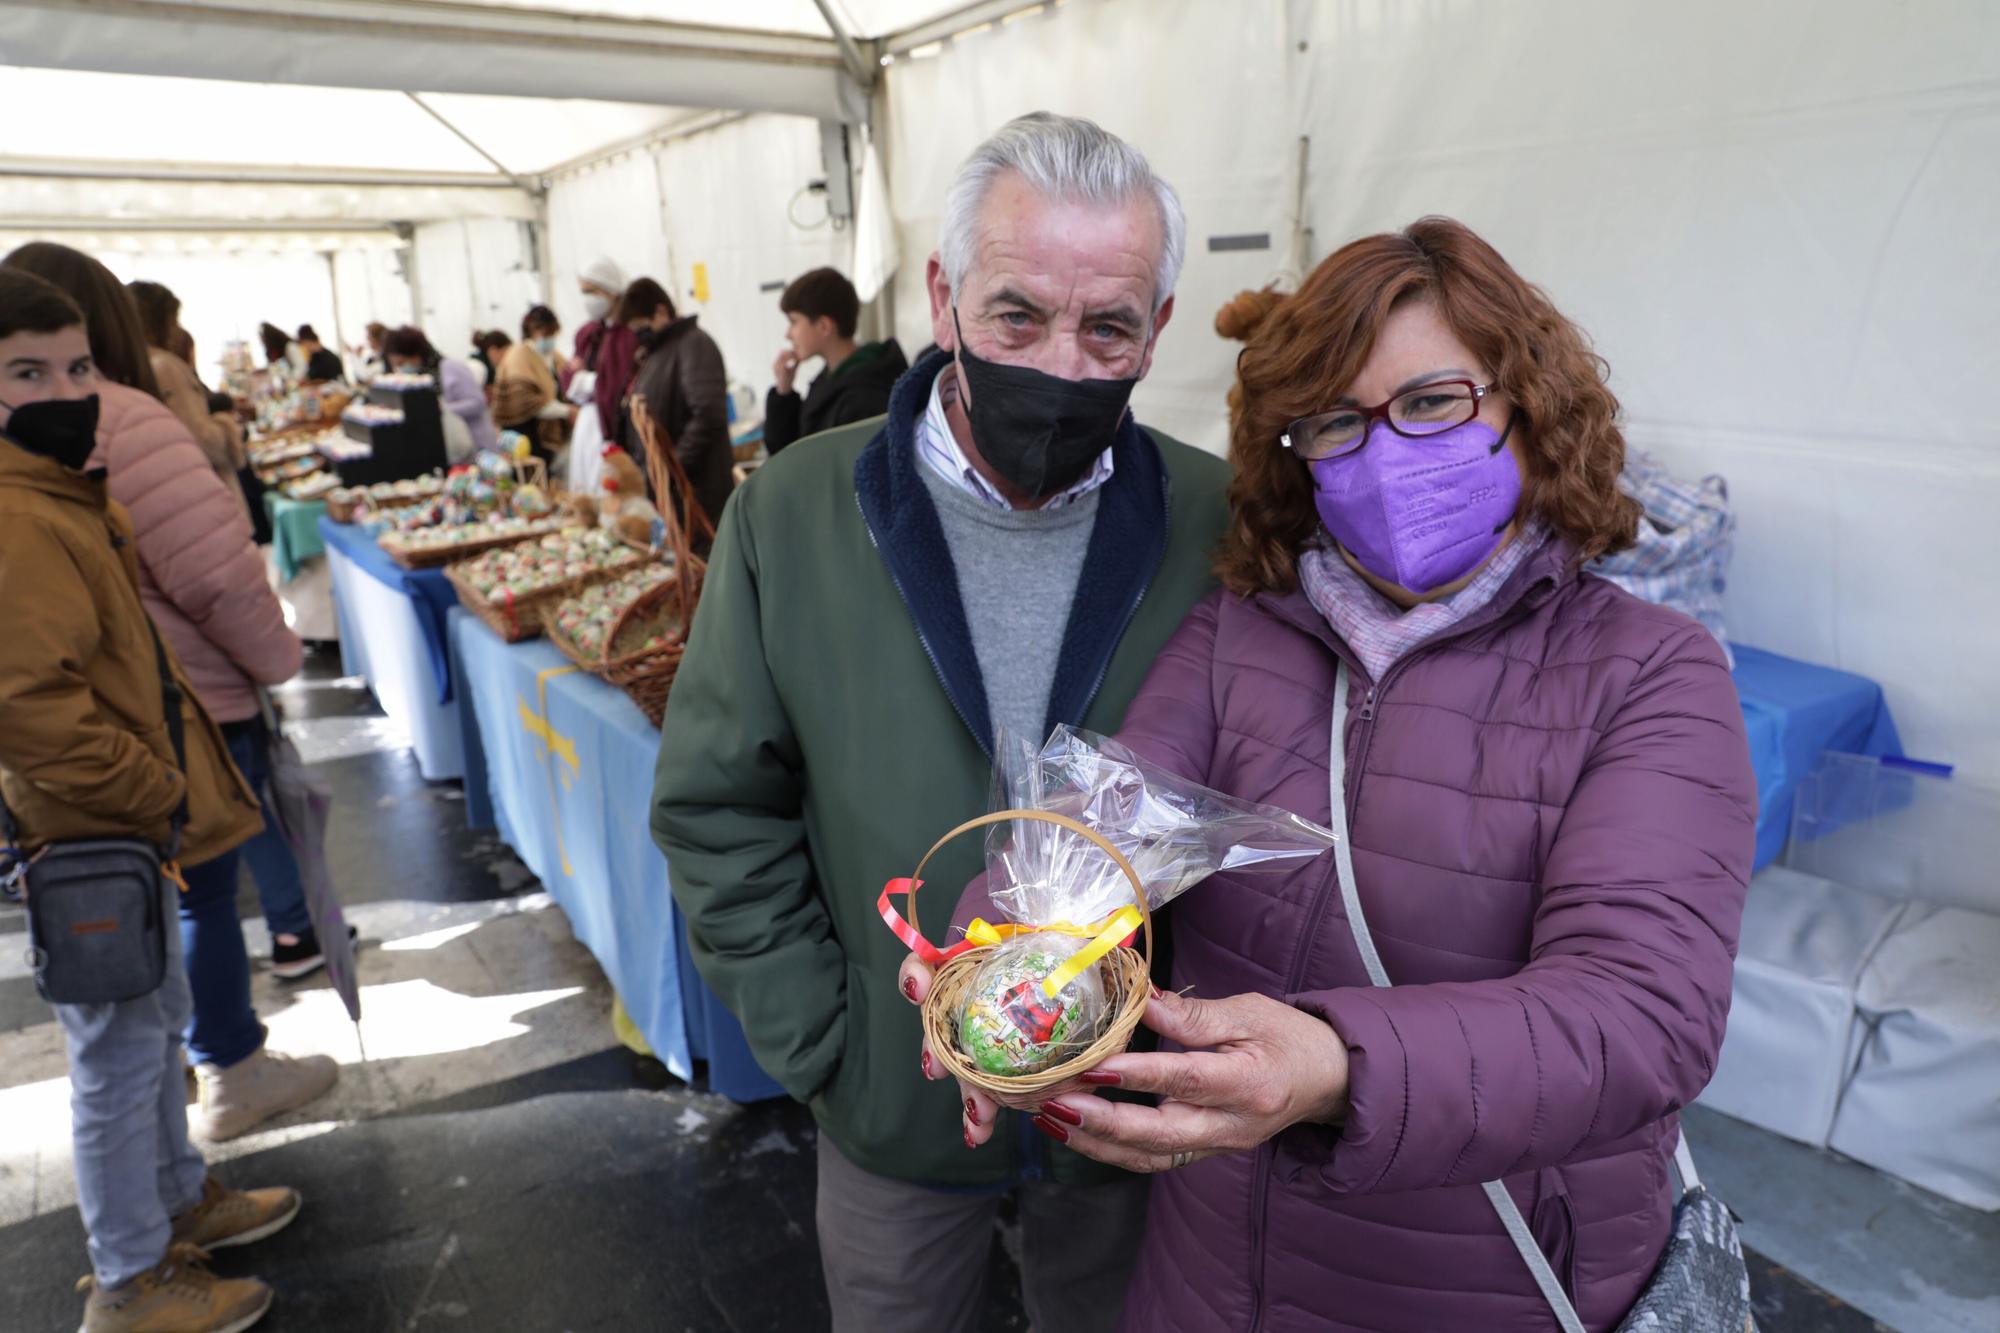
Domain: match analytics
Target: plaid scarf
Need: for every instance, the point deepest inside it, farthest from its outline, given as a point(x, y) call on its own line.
point(1379, 631)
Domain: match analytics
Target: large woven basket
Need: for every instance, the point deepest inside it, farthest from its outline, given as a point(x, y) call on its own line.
point(1126, 973)
point(647, 676)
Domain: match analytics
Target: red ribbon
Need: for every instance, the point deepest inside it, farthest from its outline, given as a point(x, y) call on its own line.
point(907, 933)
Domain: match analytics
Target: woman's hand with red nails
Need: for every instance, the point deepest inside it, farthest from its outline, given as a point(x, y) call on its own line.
point(1251, 1066)
point(977, 1111)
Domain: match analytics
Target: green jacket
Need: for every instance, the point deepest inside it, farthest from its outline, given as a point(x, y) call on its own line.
point(828, 723)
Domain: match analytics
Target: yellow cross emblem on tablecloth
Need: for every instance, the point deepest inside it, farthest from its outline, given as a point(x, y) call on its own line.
point(555, 746)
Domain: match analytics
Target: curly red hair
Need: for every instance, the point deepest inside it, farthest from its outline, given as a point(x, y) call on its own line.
point(1302, 350)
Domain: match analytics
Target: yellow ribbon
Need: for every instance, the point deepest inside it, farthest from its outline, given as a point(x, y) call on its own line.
point(1105, 936)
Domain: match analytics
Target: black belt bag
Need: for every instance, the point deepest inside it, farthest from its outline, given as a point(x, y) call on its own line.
point(96, 916)
point(96, 906)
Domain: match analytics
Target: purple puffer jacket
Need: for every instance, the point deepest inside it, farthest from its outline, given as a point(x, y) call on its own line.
point(1552, 814)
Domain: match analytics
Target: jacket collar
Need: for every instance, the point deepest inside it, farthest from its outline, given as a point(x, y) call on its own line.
point(1552, 567)
point(1126, 547)
point(29, 471)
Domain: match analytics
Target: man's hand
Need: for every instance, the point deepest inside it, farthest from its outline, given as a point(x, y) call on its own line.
point(785, 369)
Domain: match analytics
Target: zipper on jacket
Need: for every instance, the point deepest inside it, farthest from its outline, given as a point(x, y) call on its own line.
point(1316, 915)
point(1260, 1187)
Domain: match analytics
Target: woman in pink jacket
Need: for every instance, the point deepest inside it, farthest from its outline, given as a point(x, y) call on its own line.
point(203, 582)
point(1551, 812)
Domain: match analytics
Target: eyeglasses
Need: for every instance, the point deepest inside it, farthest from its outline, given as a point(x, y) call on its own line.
point(1428, 409)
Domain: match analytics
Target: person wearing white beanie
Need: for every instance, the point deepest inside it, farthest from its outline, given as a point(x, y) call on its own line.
point(608, 352)
point(602, 281)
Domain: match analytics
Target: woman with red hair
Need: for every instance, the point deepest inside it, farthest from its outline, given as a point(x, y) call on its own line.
point(1550, 809)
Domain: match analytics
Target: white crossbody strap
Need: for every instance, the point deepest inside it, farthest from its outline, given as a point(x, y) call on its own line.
point(1364, 940)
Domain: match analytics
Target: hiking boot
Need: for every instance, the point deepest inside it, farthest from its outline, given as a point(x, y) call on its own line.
point(236, 1100)
point(177, 1295)
point(227, 1217)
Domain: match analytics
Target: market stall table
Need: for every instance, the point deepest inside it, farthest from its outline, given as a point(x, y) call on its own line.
point(392, 633)
point(1792, 711)
point(563, 764)
point(295, 535)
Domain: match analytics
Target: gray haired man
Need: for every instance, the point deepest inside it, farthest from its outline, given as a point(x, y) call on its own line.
point(1007, 548)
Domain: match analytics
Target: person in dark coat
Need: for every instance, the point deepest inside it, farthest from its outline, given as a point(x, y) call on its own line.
point(683, 384)
point(821, 308)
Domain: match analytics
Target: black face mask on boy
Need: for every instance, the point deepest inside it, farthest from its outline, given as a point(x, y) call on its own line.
point(62, 429)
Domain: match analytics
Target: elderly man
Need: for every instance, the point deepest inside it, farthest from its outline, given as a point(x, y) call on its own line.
point(1007, 549)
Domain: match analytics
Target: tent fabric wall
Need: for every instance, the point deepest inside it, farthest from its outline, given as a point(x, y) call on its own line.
point(474, 274)
point(611, 210)
point(1780, 232)
point(723, 199)
point(370, 285)
point(225, 297)
point(729, 195)
point(109, 200)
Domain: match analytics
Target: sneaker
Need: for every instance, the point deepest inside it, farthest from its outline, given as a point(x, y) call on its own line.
point(236, 1100)
point(227, 1217)
point(177, 1295)
point(290, 962)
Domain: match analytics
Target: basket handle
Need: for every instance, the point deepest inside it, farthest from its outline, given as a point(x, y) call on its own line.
point(912, 935)
point(669, 478)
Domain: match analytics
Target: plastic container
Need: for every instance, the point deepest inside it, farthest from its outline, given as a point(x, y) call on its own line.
point(1899, 829)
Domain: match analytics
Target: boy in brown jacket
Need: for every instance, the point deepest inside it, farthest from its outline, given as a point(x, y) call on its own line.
point(85, 752)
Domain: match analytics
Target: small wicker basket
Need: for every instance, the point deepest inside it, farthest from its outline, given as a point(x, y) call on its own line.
point(1126, 973)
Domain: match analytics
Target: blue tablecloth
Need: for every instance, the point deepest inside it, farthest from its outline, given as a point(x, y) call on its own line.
point(430, 593)
point(391, 634)
point(563, 764)
point(1792, 710)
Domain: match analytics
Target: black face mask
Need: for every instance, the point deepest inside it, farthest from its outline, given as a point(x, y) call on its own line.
point(1039, 431)
point(62, 429)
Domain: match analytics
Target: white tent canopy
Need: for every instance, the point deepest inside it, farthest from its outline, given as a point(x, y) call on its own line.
point(1780, 223)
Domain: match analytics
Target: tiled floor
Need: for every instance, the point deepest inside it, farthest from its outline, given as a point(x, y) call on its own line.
point(498, 1163)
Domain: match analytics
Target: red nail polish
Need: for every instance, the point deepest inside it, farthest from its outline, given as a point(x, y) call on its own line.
point(972, 1110)
point(910, 988)
point(1050, 1128)
point(1057, 1111)
point(1103, 1078)
point(925, 1061)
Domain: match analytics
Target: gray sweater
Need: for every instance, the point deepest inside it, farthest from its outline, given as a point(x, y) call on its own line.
point(1017, 572)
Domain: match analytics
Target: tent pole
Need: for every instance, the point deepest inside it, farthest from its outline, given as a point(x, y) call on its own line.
point(340, 343)
point(520, 182)
point(858, 67)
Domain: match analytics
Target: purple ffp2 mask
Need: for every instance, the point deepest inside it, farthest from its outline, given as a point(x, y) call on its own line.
point(1420, 513)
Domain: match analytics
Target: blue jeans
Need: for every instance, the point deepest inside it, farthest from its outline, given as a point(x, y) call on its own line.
point(135, 1170)
point(279, 889)
point(225, 1030)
